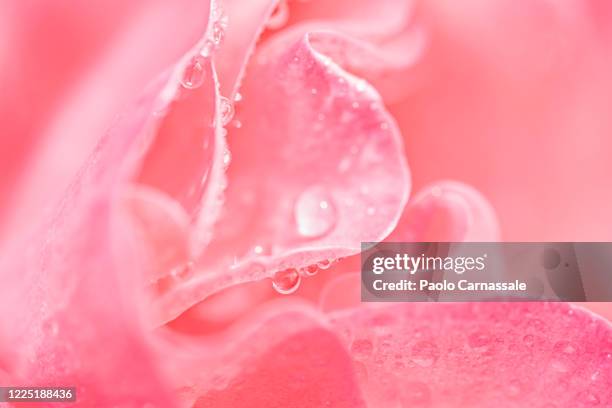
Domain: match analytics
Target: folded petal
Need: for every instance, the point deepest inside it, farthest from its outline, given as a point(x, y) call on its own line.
point(317, 167)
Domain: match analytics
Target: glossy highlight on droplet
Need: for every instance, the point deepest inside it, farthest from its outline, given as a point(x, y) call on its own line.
point(194, 73)
point(315, 212)
point(226, 110)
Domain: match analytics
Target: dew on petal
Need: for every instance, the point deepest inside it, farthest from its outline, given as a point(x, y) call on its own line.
point(310, 270)
point(324, 264)
point(226, 108)
point(479, 341)
point(227, 158)
point(315, 212)
point(287, 281)
point(219, 26)
point(194, 73)
point(279, 16)
point(362, 348)
point(425, 353)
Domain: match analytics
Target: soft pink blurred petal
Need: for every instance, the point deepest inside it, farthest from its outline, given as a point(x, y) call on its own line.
point(513, 99)
point(75, 290)
point(246, 23)
point(316, 168)
point(281, 356)
point(80, 282)
point(68, 69)
point(518, 355)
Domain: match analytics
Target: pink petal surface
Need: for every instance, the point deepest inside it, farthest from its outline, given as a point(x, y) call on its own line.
point(247, 21)
point(476, 355)
point(379, 42)
point(282, 358)
point(308, 181)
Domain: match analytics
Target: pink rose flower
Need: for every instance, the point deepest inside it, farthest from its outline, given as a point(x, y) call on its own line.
point(206, 254)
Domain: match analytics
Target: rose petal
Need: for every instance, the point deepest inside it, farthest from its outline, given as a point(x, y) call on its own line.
point(447, 211)
point(440, 355)
point(277, 358)
point(310, 179)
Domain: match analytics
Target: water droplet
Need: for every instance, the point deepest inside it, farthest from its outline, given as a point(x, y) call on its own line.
point(536, 325)
point(479, 340)
point(183, 272)
point(361, 86)
point(279, 16)
point(563, 356)
point(315, 213)
point(287, 281)
point(310, 270)
point(217, 33)
point(227, 158)
point(194, 73)
point(226, 108)
point(362, 348)
point(324, 264)
point(425, 353)
point(565, 347)
point(237, 97)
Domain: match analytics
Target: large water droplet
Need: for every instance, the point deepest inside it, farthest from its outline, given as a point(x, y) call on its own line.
point(315, 212)
point(287, 281)
point(425, 353)
point(226, 108)
point(279, 16)
point(194, 73)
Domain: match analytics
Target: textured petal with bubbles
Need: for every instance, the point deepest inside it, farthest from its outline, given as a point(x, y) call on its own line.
point(439, 355)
